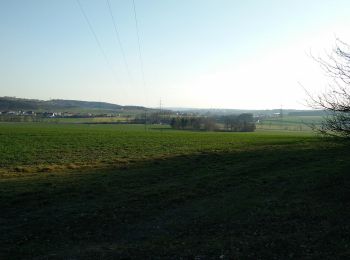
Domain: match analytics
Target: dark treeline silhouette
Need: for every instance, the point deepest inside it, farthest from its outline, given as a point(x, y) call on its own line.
point(239, 123)
point(232, 123)
point(193, 123)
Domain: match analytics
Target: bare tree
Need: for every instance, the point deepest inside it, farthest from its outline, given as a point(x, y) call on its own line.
point(336, 100)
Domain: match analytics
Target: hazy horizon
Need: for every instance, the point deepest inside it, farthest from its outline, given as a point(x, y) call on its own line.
point(166, 107)
point(195, 54)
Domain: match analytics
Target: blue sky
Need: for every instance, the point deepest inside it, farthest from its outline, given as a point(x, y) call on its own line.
point(196, 53)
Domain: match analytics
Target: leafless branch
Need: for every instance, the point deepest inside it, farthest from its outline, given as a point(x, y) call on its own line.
point(336, 100)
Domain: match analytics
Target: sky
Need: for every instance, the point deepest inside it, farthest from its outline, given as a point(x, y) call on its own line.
point(194, 53)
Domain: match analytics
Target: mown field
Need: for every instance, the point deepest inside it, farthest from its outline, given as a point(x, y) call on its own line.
point(70, 191)
point(122, 119)
point(289, 123)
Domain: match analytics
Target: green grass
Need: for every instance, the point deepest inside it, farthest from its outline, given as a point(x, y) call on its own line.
point(170, 194)
point(289, 123)
point(87, 120)
point(41, 147)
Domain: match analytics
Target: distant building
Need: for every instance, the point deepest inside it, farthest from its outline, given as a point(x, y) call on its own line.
point(49, 114)
point(29, 113)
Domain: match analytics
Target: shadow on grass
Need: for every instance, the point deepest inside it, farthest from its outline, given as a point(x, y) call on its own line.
point(254, 204)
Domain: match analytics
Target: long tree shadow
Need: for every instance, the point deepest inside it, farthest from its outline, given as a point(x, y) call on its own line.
point(267, 203)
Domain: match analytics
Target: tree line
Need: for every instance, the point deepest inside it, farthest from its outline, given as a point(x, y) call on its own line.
point(239, 123)
point(233, 123)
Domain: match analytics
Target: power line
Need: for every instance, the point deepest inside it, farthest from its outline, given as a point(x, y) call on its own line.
point(96, 38)
point(139, 43)
point(119, 40)
point(140, 56)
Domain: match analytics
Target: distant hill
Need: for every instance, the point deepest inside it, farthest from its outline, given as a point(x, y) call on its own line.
point(267, 112)
point(12, 103)
point(62, 105)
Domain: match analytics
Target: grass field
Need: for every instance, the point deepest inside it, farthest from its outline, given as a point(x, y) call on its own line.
point(87, 120)
point(289, 123)
point(70, 191)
